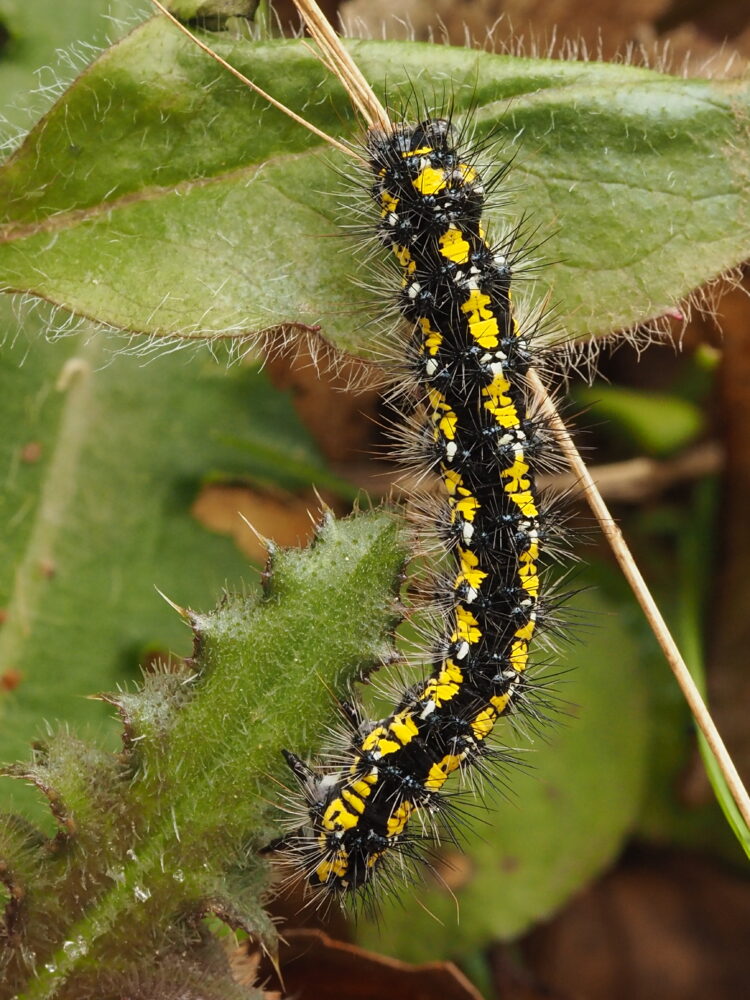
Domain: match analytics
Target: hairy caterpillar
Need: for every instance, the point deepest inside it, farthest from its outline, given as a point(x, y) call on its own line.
point(468, 357)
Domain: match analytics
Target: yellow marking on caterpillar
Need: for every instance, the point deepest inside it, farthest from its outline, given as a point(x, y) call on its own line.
point(445, 686)
point(429, 181)
point(403, 727)
point(518, 486)
point(362, 787)
point(526, 503)
point(454, 246)
point(337, 817)
point(469, 572)
point(505, 416)
point(422, 151)
point(405, 259)
point(498, 390)
point(353, 800)
point(500, 702)
point(519, 655)
point(337, 866)
point(442, 416)
point(482, 323)
point(527, 570)
point(483, 723)
point(446, 425)
point(467, 506)
point(438, 773)
point(388, 202)
point(469, 175)
point(453, 482)
point(432, 338)
point(401, 730)
point(398, 819)
point(517, 474)
point(467, 627)
point(377, 741)
point(526, 631)
point(519, 649)
point(499, 403)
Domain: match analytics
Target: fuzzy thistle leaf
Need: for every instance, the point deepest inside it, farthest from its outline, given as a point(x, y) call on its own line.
point(153, 838)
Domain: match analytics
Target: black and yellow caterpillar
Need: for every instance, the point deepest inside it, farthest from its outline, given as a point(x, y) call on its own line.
point(468, 357)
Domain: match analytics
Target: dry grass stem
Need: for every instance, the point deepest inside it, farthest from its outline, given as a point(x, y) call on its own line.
point(637, 584)
point(253, 86)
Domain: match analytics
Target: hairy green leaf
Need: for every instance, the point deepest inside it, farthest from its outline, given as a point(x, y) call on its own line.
point(155, 162)
point(151, 839)
point(38, 48)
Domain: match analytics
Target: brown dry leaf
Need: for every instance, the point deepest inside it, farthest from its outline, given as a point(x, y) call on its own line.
point(246, 969)
point(315, 967)
point(341, 421)
point(513, 981)
point(290, 909)
point(709, 38)
point(284, 518)
point(661, 927)
point(538, 24)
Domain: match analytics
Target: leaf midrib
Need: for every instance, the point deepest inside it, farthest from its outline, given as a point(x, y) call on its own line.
point(59, 221)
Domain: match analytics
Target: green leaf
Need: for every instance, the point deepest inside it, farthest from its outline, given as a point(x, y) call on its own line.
point(656, 422)
point(102, 459)
point(155, 837)
point(638, 181)
point(566, 815)
point(38, 46)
